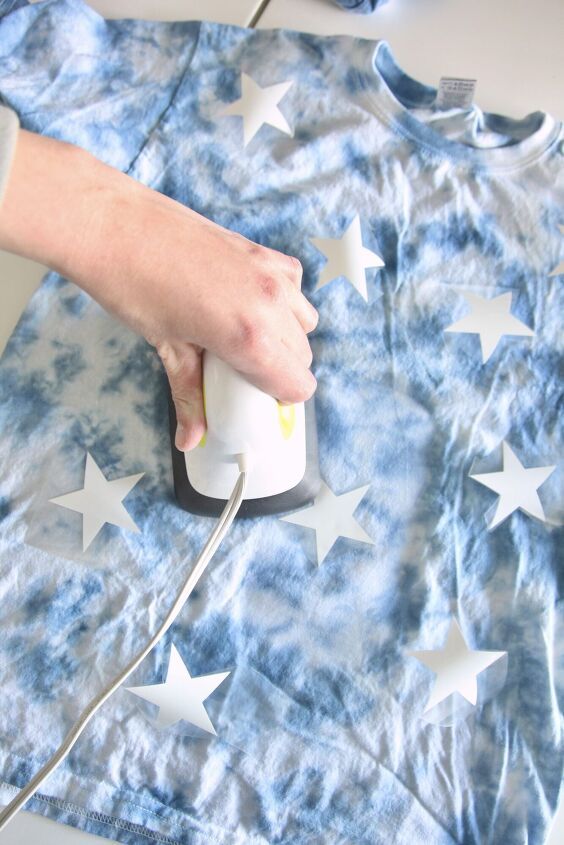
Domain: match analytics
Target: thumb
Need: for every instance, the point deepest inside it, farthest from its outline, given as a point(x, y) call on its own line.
point(183, 365)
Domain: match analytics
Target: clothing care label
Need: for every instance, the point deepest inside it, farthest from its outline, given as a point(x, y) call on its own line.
point(455, 93)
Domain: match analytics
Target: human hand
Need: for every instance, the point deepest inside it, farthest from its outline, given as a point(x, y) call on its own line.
point(189, 284)
point(183, 282)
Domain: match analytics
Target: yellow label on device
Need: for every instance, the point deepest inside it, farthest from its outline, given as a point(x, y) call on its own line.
point(287, 419)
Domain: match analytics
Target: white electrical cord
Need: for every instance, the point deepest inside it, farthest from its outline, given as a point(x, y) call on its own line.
point(206, 555)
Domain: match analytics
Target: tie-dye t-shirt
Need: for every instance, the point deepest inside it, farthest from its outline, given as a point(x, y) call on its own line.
point(361, 6)
point(323, 734)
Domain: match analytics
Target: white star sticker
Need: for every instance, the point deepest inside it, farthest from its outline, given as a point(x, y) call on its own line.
point(517, 487)
point(258, 105)
point(181, 696)
point(560, 268)
point(491, 319)
point(331, 517)
point(99, 501)
point(456, 667)
point(347, 257)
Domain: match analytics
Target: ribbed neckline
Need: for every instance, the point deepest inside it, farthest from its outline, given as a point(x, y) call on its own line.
point(392, 93)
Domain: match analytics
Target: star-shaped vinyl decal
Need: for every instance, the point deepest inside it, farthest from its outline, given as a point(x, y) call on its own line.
point(181, 696)
point(331, 517)
point(346, 256)
point(560, 268)
point(456, 667)
point(516, 485)
point(491, 319)
point(99, 501)
point(258, 105)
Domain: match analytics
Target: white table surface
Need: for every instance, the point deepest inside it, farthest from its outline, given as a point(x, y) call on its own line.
point(514, 48)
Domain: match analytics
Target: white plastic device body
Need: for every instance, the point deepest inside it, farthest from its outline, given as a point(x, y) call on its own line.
point(242, 419)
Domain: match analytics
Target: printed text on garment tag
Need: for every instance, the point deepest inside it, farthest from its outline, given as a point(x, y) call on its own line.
point(455, 93)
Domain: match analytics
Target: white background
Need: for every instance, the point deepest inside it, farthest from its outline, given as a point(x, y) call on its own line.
point(514, 48)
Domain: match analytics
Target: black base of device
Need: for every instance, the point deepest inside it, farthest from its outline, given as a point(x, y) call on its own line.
point(298, 497)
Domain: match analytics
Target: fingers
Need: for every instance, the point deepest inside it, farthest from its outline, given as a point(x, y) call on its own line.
point(259, 326)
point(183, 365)
point(272, 358)
point(288, 381)
point(290, 267)
point(295, 340)
point(266, 339)
point(302, 309)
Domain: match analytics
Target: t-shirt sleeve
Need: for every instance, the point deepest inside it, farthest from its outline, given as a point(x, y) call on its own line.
point(71, 74)
point(9, 125)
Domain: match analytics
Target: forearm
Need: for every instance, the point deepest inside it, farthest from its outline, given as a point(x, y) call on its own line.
point(98, 227)
point(169, 273)
point(57, 204)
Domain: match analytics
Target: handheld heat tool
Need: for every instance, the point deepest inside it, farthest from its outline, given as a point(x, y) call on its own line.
point(257, 457)
point(279, 442)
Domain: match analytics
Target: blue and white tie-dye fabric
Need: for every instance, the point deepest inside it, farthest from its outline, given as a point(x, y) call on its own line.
point(321, 736)
point(361, 6)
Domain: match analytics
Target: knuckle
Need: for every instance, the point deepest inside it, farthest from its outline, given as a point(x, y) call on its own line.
point(308, 386)
point(298, 394)
point(249, 337)
point(297, 271)
point(304, 351)
point(268, 285)
point(309, 356)
point(183, 377)
point(162, 349)
point(313, 319)
point(306, 392)
point(181, 400)
point(301, 388)
point(254, 249)
point(167, 355)
point(246, 334)
point(297, 265)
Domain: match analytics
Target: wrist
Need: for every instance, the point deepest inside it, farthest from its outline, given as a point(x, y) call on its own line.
point(57, 202)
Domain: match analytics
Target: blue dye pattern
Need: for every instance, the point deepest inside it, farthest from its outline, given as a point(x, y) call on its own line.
point(363, 7)
point(5, 507)
point(320, 738)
